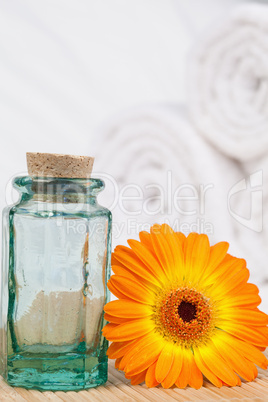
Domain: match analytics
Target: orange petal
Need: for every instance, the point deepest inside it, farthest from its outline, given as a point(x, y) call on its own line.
point(113, 319)
point(176, 249)
point(241, 300)
point(146, 356)
point(107, 328)
point(163, 253)
point(135, 348)
point(145, 238)
point(117, 363)
point(256, 336)
point(129, 330)
point(147, 257)
point(229, 264)
point(133, 290)
point(230, 282)
point(138, 378)
point(196, 377)
point(127, 309)
point(234, 359)
point(197, 251)
point(184, 376)
point(164, 362)
point(205, 370)
point(244, 316)
point(174, 370)
point(182, 239)
point(123, 271)
point(130, 260)
point(150, 380)
point(115, 291)
point(216, 256)
point(239, 382)
point(250, 352)
point(254, 369)
point(119, 349)
point(216, 364)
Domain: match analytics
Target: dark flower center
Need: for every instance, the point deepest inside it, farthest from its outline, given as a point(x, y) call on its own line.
point(184, 316)
point(187, 311)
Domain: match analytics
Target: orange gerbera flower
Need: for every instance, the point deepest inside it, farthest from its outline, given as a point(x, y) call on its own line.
point(185, 310)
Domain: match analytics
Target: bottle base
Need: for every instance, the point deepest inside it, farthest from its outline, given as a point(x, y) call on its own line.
point(68, 373)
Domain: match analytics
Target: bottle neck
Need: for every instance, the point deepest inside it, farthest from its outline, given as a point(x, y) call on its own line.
point(58, 190)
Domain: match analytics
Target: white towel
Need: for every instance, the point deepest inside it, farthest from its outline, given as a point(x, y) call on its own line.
point(256, 209)
point(157, 147)
point(252, 237)
point(154, 144)
point(228, 84)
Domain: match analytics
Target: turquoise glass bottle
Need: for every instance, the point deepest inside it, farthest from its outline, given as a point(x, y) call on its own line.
point(56, 263)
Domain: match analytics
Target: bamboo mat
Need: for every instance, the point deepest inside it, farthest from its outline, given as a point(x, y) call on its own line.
point(118, 388)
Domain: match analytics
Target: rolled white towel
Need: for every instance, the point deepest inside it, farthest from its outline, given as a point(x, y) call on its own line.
point(154, 153)
point(151, 145)
point(256, 210)
point(228, 83)
point(251, 204)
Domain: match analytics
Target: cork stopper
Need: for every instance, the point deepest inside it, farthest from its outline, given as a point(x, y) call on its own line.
point(56, 165)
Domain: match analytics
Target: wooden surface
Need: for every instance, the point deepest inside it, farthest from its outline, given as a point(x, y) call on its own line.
point(119, 389)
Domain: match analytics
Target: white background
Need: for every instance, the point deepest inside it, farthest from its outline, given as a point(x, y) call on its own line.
point(66, 66)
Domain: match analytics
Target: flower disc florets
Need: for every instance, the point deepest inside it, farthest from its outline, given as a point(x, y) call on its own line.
point(184, 316)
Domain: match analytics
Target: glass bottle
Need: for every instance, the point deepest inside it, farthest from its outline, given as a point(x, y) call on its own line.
point(56, 263)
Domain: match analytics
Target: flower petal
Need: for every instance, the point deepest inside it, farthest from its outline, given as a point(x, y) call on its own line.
point(115, 291)
point(117, 363)
point(145, 238)
point(197, 252)
point(127, 309)
point(119, 349)
point(135, 348)
point(150, 380)
point(123, 271)
point(230, 282)
point(132, 289)
point(138, 378)
point(107, 328)
point(216, 256)
point(164, 362)
point(247, 300)
point(163, 253)
point(244, 316)
point(239, 364)
point(184, 376)
point(219, 367)
point(130, 260)
point(113, 319)
point(205, 369)
point(229, 264)
point(176, 249)
point(175, 368)
point(128, 331)
point(182, 239)
point(146, 356)
point(196, 377)
point(247, 350)
point(256, 336)
point(147, 257)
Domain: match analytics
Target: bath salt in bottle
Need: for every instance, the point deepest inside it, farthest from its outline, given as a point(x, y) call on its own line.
point(56, 263)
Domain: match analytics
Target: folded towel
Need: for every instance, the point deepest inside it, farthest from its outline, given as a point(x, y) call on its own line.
point(251, 232)
point(152, 152)
point(253, 206)
point(228, 84)
point(154, 155)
